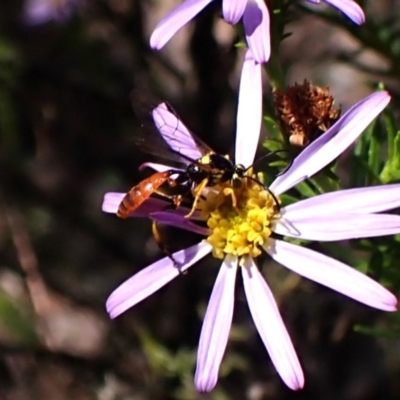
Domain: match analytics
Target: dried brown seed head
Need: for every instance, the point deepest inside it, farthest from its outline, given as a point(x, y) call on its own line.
point(305, 111)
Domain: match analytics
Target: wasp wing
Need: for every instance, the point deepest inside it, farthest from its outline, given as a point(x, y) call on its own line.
point(175, 133)
point(162, 133)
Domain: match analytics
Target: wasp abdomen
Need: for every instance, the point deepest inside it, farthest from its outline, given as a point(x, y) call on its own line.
point(141, 192)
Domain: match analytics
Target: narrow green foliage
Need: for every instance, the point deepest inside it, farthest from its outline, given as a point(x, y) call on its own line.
point(241, 44)
point(374, 159)
point(391, 169)
point(341, 253)
point(273, 145)
point(306, 190)
point(325, 181)
point(274, 133)
point(377, 332)
point(17, 322)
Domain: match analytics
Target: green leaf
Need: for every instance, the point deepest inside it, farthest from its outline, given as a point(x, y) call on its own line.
point(273, 145)
point(391, 170)
point(306, 190)
point(390, 125)
point(273, 129)
point(377, 332)
point(325, 181)
point(374, 150)
point(17, 321)
point(241, 45)
point(162, 360)
point(341, 253)
point(288, 199)
point(395, 317)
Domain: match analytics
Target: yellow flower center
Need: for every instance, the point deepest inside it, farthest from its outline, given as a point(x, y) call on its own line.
point(240, 218)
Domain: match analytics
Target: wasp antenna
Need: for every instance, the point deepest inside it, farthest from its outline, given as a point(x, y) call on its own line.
point(273, 153)
point(290, 160)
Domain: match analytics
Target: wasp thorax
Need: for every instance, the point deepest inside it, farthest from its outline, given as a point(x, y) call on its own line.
point(305, 111)
point(238, 176)
point(240, 218)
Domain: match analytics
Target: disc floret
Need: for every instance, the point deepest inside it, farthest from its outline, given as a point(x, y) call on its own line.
point(240, 218)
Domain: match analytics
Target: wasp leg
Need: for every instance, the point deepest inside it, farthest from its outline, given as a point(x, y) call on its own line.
point(197, 194)
point(234, 200)
point(175, 203)
point(162, 246)
point(165, 195)
point(177, 200)
point(229, 191)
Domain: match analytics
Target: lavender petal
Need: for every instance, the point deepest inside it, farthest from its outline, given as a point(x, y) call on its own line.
point(366, 200)
point(175, 20)
point(349, 8)
point(112, 200)
point(333, 142)
point(38, 12)
point(338, 226)
point(233, 10)
point(270, 326)
point(216, 326)
point(256, 27)
point(149, 280)
point(249, 112)
point(179, 221)
point(331, 273)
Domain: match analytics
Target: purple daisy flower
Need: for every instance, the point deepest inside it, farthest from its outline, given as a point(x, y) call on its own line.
point(255, 20)
point(38, 12)
point(255, 17)
point(239, 234)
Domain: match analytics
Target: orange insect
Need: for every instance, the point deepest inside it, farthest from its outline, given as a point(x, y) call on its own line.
point(142, 191)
